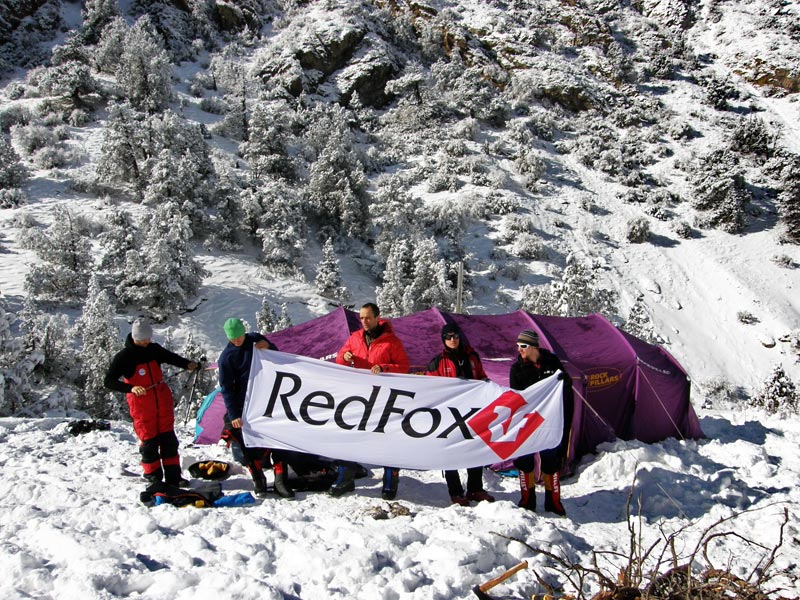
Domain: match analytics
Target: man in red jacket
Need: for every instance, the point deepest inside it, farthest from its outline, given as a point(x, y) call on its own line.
point(150, 401)
point(377, 348)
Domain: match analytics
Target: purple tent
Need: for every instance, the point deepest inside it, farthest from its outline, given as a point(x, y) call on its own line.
point(624, 387)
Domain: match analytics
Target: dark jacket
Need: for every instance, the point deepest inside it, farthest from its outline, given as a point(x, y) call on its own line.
point(234, 373)
point(524, 374)
point(152, 413)
point(463, 362)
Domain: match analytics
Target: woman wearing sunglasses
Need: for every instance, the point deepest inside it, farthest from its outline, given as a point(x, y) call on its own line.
point(459, 360)
point(534, 364)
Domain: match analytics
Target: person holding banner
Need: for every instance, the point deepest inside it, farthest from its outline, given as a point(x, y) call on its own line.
point(534, 364)
point(377, 348)
point(234, 374)
point(459, 360)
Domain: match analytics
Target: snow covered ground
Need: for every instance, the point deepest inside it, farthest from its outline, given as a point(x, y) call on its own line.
point(73, 526)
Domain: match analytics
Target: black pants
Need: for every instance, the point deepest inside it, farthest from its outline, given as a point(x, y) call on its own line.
point(474, 481)
point(551, 461)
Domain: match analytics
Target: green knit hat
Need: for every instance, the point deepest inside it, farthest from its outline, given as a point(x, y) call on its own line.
point(234, 328)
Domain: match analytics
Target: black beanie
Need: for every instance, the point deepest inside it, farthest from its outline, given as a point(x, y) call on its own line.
point(450, 328)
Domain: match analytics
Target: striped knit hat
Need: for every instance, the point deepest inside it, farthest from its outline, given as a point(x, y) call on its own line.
point(529, 336)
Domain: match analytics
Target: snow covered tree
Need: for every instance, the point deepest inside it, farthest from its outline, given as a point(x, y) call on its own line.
point(285, 321)
point(266, 319)
point(109, 49)
point(639, 324)
point(64, 252)
point(329, 275)
point(17, 364)
point(144, 73)
point(575, 294)
point(225, 220)
point(397, 275)
point(166, 275)
point(276, 213)
point(393, 209)
point(96, 16)
point(337, 181)
point(269, 134)
point(100, 342)
point(12, 172)
point(789, 199)
point(429, 285)
point(120, 237)
point(720, 191)
point(49, 335)
point(123, 150)
point(778, 393)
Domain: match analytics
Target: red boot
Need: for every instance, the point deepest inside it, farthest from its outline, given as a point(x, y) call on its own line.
point(527, 490)
point(552, 495)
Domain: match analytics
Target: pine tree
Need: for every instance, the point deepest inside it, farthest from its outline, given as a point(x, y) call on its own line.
point(12, 172)
point(49, 335)
point(285, 321)
point(166, 275)
point(575, 294)
point(17, 364)
point(789, 206)
point(397, 276)
point(266, 319)
point(100, 342)
point(329, 275)
point(639, 323)
point(144, 73)
point(337, 181)
point(120, 237)
point(266, 148)
point(277, 213)
point(123, 150)
point(97, 15)
point(64, 252)
point(394, 209)
point(429, 285)
point(778, 393)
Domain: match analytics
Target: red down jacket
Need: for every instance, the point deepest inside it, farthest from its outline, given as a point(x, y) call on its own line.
point(386, 350)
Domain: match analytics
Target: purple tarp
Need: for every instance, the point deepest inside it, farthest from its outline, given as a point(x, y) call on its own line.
point(624, 387)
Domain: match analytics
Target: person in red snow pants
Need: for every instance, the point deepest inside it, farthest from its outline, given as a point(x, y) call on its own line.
point(150, 401)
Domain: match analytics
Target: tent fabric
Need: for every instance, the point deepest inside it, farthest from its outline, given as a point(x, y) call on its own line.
point(624, 387)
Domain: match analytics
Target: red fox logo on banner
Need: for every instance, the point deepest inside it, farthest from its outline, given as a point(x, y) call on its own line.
point(492, 423)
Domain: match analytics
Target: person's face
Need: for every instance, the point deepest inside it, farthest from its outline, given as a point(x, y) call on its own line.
point(237, 341)
point(452, 340)
point(142, 343)
point(368, 319)
point(528, 352)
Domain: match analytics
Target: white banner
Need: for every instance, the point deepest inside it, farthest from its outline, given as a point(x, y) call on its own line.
point(405, 421)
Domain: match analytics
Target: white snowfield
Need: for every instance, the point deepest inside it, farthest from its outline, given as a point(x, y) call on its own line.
point(73, 526)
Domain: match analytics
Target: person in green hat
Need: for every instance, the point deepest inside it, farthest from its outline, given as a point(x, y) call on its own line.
point(234, 375)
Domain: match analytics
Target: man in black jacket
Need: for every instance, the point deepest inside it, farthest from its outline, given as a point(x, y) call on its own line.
point(534, 364)
point(234, 375)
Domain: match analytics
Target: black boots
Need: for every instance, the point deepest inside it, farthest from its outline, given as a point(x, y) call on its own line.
point(345, 481)
point(280, 486)
point(259, 479)
point(391, 478)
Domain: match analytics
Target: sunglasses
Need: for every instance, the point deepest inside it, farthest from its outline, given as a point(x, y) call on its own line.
point(451, 336)
point(523, 346)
